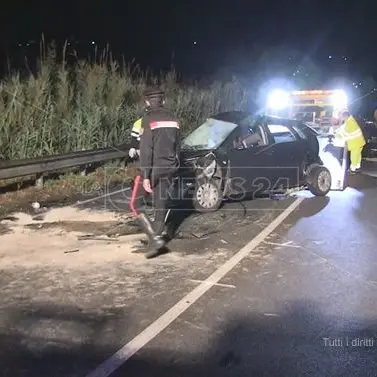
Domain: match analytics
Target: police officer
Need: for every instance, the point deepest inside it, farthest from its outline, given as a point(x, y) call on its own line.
point(159, 161)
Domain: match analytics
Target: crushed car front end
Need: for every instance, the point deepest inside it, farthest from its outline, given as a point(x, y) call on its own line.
point(199, 169)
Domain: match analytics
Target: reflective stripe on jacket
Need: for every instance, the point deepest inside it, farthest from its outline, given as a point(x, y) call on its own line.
point(352, 134)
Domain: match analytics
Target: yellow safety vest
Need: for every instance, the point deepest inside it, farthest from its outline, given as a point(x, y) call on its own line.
point(136, 129)
point(352, 134)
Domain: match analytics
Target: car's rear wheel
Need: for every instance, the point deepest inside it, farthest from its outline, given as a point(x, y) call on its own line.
point(208, 195)
point(319, 181)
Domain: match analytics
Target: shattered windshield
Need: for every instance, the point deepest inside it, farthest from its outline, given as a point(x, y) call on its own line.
point(210, 135)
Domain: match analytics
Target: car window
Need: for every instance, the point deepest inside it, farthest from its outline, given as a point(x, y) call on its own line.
point(251, 136)
point(281, 134)
point(308, 130)
point(249, 121)
point(209, 135)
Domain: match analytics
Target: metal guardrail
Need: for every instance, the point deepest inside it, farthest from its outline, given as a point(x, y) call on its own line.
point(39, 166)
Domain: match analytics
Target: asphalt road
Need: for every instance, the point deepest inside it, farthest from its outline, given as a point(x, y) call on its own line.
point(299, 299)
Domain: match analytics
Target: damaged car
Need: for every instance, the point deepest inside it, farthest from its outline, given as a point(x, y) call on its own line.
point(236, 154)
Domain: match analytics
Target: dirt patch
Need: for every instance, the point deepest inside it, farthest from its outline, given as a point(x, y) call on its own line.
point(66, 236)
point(75, 238)
point(89, 227)
point(65, 214)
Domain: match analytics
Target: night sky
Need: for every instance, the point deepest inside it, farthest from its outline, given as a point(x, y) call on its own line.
point(220, 36)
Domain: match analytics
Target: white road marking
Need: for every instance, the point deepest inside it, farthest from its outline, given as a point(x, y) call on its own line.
point(103, 196)
point(127, 351)
point(211, 283)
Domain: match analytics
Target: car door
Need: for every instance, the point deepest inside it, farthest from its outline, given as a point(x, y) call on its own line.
point(250, 163)
point(285, 151)
point(307, 144)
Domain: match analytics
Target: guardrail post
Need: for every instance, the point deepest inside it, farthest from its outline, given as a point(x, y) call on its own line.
point(39, 180)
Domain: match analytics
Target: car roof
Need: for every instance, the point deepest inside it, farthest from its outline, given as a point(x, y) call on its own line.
point(231, 116)
point(237, 117)
point(280, 119)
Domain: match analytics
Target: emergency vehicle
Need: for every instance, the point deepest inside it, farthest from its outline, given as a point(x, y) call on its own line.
point(314, 107)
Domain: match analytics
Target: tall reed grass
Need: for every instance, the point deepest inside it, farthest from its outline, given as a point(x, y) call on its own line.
point(92, 104)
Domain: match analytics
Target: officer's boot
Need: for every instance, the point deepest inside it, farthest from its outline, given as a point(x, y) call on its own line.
point(156, 242)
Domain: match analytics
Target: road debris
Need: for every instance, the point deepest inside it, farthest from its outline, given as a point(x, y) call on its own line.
point(201, 235)
point(271, 315)
point(93, 237)
point(123, 230)
point(71, 251)
point(34, 226)
point(288, 193)
point(38, 218)
point(278, 196)
point(36, 205)
point(9, 218)
point(285, 244)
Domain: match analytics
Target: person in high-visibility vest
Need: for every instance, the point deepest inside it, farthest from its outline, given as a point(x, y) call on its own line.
point(135, 139)
point(351, 133)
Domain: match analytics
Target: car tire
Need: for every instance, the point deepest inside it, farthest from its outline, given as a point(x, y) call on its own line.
point(207, 196)
point(319, 180)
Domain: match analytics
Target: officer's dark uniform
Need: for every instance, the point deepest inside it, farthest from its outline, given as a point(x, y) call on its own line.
point(159, 161)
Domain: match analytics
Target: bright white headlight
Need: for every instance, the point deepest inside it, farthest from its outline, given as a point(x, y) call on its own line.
point(278, 100)
point(339, 99)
